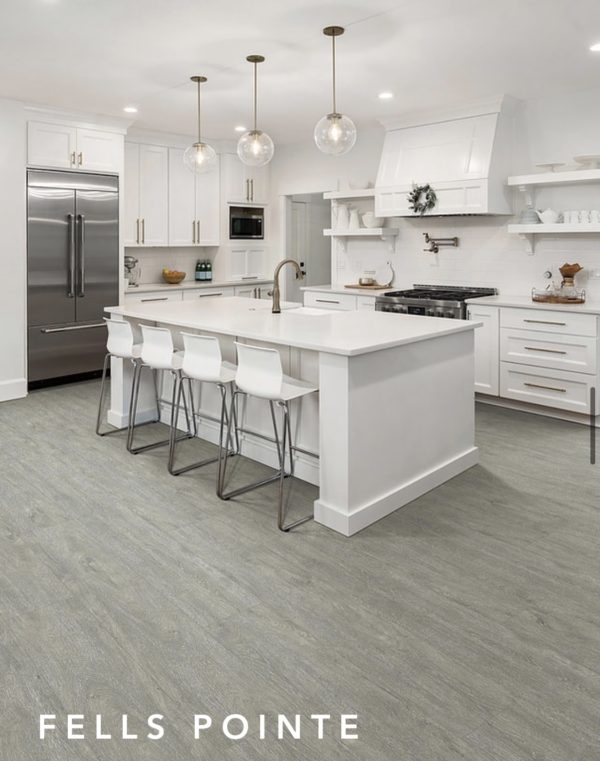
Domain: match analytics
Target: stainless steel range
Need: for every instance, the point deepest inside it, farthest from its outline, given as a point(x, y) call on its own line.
point(431, 300)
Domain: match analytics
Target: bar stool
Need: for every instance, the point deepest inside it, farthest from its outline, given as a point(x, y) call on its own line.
point(158, 354)
point(260, 374)
point(202, 361)
point(120, 345)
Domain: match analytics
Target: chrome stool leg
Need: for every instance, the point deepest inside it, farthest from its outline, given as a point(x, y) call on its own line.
point(209, 460)
point(133, 412)
point(99, 432)
point(287, 442)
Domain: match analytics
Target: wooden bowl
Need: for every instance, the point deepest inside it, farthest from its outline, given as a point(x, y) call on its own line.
point(173, 277)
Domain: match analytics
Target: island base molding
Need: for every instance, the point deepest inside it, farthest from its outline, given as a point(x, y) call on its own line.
point(363, 516)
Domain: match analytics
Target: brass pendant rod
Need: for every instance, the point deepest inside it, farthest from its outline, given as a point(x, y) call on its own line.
point(333, 68)
point(199, 115)
point(255, 95)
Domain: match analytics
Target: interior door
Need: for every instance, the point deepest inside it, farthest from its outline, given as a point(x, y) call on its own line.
point(50, 256)
point(97, 236)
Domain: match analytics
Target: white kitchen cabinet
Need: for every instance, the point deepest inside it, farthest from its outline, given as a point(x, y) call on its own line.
point(193, 204)
point(51, 145)
point(149, 297)
point(62, 146)
point(325, 300)
point(99, 151)
point(146, 195)
point(365, 303)
point(244, 184)
point(487, 359)
point(262, 291)
point(246, 262)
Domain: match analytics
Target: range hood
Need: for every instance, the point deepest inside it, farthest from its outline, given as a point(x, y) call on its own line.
point(465, 157)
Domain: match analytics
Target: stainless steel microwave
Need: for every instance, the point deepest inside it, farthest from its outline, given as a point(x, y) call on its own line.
point(246, 222)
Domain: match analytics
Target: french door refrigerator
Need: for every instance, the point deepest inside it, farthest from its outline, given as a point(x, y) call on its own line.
point(73, 270)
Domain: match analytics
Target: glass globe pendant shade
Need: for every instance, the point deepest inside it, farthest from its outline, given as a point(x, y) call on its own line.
point(200, 158)
point(335, 134)
point(255, 148)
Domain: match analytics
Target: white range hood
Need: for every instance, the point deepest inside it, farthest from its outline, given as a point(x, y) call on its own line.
point(465, 157)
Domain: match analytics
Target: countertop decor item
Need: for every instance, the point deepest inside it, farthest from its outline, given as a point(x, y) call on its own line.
point(422, 198)
point(255, 148)
point(199, 157)
point(172, 277)
point(567, 293)
point(335, 134)
point(374, 285)
point(370, 221)
point(588, 162)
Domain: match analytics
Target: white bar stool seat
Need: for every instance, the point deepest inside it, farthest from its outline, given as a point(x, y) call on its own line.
point(157, 353)
point(260, 374)
point(120, 344)
point(202, 362)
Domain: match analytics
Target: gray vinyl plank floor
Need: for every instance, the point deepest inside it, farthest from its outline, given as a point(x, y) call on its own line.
point(464, 627)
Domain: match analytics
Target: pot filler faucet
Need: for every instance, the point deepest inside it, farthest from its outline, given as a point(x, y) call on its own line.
point(276, 292)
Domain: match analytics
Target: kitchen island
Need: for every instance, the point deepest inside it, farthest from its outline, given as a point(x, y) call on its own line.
point(394, 416)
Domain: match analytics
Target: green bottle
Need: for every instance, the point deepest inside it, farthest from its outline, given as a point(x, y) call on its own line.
point(198, 273)
point(208, 269)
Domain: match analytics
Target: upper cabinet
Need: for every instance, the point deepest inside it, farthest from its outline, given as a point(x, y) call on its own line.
point(146, 217)
point(244, 184)
point(59, 146)
point(193, 204)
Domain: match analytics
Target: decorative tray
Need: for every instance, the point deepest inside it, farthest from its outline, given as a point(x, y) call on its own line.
point(549, 297)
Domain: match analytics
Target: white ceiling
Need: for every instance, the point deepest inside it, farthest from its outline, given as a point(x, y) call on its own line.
point(100, 55)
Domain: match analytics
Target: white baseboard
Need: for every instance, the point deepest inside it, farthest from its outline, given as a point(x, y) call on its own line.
point(122, 421)
point(15, 388)
point(351, 523)
point(536, 409)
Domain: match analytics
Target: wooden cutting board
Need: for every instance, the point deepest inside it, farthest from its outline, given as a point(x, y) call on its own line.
point(376, 287)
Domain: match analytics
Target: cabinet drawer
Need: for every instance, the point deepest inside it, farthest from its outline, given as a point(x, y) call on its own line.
point(365, 303)
point(550, 321)
point(324, 300)
point(528, 347)
point(153, 297)
point(552, 388)
point(205, 293)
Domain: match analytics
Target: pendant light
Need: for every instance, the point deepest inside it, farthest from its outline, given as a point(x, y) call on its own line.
point(199, 157)
point(255, 148)
point(335, 134)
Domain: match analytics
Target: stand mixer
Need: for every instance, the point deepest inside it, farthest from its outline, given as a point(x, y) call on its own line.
point(132, 271)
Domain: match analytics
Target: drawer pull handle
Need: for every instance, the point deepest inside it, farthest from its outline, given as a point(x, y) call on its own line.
point(73, 327)
point(165, 298)
point(327, 301)
point(548, 388)
point(546, 322)
point(250, 277)
point(548, 351)
point(205, 295)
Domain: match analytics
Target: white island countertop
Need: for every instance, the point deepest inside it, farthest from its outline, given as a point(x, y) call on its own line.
point(525, 302)
point(347, 333)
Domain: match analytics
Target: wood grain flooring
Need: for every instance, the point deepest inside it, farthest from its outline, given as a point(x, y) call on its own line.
point(464, 627)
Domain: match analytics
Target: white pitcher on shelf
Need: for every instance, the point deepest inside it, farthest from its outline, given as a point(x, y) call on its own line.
point(354, 223)
point(341, 222)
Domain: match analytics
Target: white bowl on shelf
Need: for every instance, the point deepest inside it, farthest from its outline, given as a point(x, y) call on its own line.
point(370, 220)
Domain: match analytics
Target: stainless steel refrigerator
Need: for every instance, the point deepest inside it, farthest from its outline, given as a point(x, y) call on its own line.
point(73, 270)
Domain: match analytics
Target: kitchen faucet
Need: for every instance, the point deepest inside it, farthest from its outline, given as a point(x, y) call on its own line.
point(276, 292)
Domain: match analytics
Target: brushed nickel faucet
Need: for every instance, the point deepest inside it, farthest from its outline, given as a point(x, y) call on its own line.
point(276, 292)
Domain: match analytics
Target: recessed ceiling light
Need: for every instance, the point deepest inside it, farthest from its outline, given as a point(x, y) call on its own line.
point(385, 95)
point(240, 129)
point(130, 110)
point(595, 48)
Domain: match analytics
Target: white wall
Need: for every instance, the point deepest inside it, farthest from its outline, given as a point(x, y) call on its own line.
point(13, 252)
point(549, 129)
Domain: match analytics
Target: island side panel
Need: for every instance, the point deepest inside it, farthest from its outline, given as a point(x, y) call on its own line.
point(394, 424)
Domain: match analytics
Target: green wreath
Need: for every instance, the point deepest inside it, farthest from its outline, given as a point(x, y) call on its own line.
point(422, 198)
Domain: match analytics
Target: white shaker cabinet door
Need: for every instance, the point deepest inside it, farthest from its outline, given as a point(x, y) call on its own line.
point(51, 145)
point(154, 195)
point(131, 195)
point(182, 210)
point(99, 151)
point(207, 207)
point(487, 350)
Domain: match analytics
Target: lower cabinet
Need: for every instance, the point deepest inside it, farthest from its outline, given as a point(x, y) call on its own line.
point(206, 293)
point(326, 300)
point(153, 296)
point(552, 388)
point(262, 291)
point(487, 358)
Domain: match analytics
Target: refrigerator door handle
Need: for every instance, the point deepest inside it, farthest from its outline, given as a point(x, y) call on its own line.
point(71, 234)
point(81, 222)
point(73, 327)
